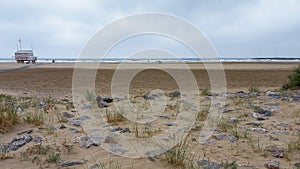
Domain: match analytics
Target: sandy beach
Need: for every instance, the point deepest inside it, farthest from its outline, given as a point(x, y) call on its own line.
point(55, 80)
point(240, 138)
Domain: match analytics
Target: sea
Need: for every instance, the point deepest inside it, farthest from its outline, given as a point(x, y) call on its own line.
point(184, 59)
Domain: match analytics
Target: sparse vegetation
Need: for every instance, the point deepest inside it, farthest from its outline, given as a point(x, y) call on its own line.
point(8, 113)
point(113, 116)
point(254, 89)
point(178, 154)
point(36, 118)
point(294, 80)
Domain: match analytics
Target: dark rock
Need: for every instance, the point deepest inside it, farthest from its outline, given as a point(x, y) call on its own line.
point(175, 94)
point(74, 130)
point(231, 138)
point(227, 111)
point(256, 116)
point(25, 132)
point(125, 130)
point(150, 96)
point(206, 164)
point(170, 124)
point(91, 140)
point(68, 115)
point(68, 163)
point(276, 152)
point(264, 112)
point(297, 164)
point(102, 104)
point(42, 105)
point(62, 126)
point(76, 123)
point(296, 98)
point(18, 142)
point(108, 99)
point(272, 165)
point(219, 136)
point(116, 129)
point(37, 140)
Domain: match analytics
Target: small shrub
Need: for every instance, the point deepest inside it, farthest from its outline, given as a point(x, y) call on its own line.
point(114, 117)
point(36, 118)
point(8, 114)
point(253, 89)
point(178, 154)
point(294, 80)
point(204, 92)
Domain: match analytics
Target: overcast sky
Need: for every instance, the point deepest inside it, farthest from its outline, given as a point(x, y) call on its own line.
point(237, 28)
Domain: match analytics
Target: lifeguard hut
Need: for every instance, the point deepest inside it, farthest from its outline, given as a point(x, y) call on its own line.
point(22, 56)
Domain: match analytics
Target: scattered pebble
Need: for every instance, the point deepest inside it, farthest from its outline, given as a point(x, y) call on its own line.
point(272, 165)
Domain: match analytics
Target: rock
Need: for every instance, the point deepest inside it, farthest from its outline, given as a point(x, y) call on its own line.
point(280, 132)
point(296, 98)
point(272, 165)
point(42, 105)
point(233, 121)
point(115, 148)
point(256, 116)
point(68, 163)
point(20, 109)
point(101, 103)
point(116, 129)
point(170, 124)
point(276, 152)
point(175, 94)
point(254, 123)
point(125, 130)
point(206, 164)
point(37, 140)
point(74, 130)
point(75, 122)
point(231, 138)
point(273, 94)
point(297, 164)
point(25, 132)
point(91, 140)
point(62, 126)
point(151, 96)
point(259, 130)
point(227, 111)
point(162, 116)
point(108, 99)
point(219, 136)
point(18, 142)
point(68, 115)
point(264, 112)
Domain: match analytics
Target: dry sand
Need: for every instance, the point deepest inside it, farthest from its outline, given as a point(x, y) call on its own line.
point(55, 80)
